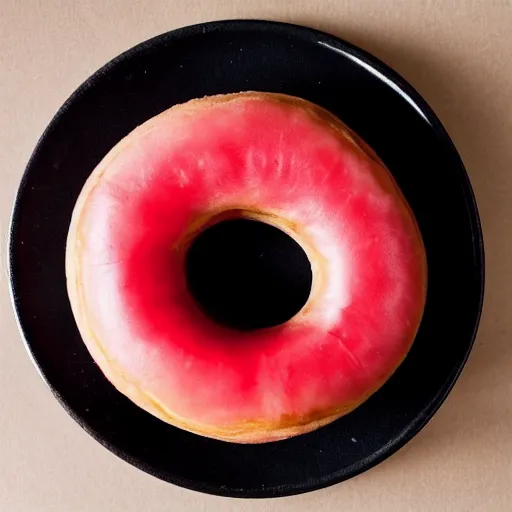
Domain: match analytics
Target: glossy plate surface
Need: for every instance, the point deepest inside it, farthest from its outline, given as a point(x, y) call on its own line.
point(232, 56)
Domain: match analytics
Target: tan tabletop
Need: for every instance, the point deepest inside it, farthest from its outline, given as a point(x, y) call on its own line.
point(458, 54)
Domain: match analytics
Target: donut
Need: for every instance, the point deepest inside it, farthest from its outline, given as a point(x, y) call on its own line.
point(216, 175)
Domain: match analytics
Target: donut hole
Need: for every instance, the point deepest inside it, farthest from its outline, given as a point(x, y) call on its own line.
point(246, 275)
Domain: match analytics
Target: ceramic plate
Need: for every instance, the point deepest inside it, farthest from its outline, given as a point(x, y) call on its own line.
point(224, 57)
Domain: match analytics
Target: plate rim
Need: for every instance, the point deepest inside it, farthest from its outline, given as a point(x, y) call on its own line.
point(392, 79)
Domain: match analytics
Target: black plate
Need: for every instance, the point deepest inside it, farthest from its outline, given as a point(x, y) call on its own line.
point(225, 57)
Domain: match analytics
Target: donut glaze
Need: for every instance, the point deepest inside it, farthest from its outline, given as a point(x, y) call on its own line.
point(272, 158)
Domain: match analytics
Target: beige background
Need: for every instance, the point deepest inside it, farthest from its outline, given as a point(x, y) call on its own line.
point(458, 54)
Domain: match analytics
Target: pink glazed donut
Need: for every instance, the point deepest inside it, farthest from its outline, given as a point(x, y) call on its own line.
point(271, 158)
